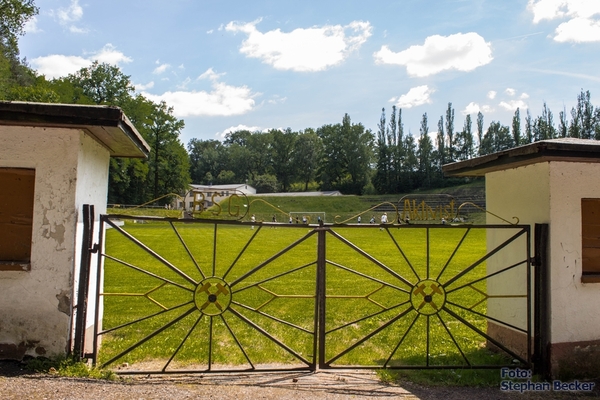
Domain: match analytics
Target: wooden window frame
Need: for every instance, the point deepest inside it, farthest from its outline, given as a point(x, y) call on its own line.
point(16, 218)
point(590, 240)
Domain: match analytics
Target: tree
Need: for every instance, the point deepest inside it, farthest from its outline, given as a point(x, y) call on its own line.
point(282, 153)
point(347, 153)
point(308, 149)
point(543, 126)
point(450, 132)
point(585, 115)
point(13, 16)
point(358, 144)
point(441, 148)
point(103, 84)
point(207, 160)
point(15, 75)
point(464, 141)
point(497, 138)
point(563, 125)
point(425, 154)
point(169, 168)
point(479, 131)
point(381, 180)
point(528, 128)
point(516, 127)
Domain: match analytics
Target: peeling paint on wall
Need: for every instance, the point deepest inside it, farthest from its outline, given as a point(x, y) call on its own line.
point(64, 302)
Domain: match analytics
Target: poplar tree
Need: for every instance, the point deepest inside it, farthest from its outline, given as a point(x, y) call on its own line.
point(516, 127)
point(450, 132)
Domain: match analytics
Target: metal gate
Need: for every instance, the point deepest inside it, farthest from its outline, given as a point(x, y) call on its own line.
point(224, 296)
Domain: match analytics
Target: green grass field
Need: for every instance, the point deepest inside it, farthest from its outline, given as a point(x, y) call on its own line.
point(371, 316)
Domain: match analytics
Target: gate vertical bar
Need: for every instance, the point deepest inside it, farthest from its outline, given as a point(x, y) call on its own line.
point(541, 357)
point(99, 283)
point(84, 280)
point(321, 297)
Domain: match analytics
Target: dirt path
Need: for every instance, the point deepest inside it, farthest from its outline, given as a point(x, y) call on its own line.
point(15, 383)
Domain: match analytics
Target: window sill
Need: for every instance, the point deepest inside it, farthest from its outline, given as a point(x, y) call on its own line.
point(590, 278)
point(14, 266)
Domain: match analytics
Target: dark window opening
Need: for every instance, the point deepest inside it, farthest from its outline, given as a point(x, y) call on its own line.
point(590, 240)
point(16, 218)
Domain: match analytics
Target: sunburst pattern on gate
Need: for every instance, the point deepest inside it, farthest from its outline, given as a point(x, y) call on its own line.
point(232, 296)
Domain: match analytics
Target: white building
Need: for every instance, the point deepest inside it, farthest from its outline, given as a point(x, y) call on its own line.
point(54, 158)
point(552, 182)
point(211, 194)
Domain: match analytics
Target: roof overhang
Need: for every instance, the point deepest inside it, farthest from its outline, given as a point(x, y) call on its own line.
point(567, 149)
point(107, 124)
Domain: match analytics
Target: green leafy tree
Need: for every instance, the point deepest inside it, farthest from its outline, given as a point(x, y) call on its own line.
point(381, 180)
point(563, 124)
point(13, 16)
point(347, 153)
point(103, 83)
point(307, 155)
point(441, 146)
point(450, 132)
point(14, 73)
point(479, 131)
point(169, 170)
point(207, 160)
point(528, 128)
point(543, 126)
point(425, 154)
point(282, 154)
point(464, 141)
point(516, 127)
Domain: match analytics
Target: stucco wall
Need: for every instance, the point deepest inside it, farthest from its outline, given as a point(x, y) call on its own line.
point(35, 306)
point(523, 193)
point(551, 192)
point(575, 312)
point(92, 188)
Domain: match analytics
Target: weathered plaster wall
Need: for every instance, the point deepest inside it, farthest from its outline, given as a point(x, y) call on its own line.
point(575, 313)
point(35, 306)
point(92, 188)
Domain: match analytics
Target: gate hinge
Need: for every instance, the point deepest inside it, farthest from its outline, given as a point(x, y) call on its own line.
point(534, 262)
point(95, 248)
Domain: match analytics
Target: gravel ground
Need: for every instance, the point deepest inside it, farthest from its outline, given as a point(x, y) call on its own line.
point(16, 383)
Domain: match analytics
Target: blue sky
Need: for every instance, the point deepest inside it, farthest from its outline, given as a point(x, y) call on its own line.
point(259, 65)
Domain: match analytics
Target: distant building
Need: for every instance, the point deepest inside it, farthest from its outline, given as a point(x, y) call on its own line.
point(211, 194)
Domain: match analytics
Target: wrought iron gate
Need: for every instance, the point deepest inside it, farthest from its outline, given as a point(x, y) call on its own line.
point(220, 296)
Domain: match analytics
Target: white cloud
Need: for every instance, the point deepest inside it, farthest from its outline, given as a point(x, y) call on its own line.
point(69, 16)
point(512, 105)
point(491, 94)
point(474, 108)
point(510, 91)
point(303, 49)
point(184, 84)
point(161, 68)
point(57, 65)
point(241, 127)
point(210, 31)
point(462, 52)
point(211, 75)
point(141, 86)
point(583, 18)
point(415, 97)
point(524, 96)
point(223, 100)
point(31, 25)
point(579, 30)
point(471, 108)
